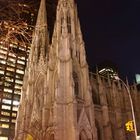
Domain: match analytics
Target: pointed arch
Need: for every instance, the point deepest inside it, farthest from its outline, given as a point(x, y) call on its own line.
point(26, 134)
point(50, 134)
point(85, 130)
point(68, 22)
point(113, 130)
point(78, 79)
point(98, 130)
point(38, 101)
point(52, 137)
point(95, 96)
point(83, 135)
point(61, 21)
point(29, 137)
point(76, 83)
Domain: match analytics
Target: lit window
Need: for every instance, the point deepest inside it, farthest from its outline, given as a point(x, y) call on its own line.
point(22, 58)
point(2, 47)
point(22, 48)
point(4, 125)
point(12, 54)
point(14, 114)
point(2, 56)
point(4, 119)
point(10, 69)
point(7, 95)
point(7, 90)
point(6, 101)
point(5, 113)
point(20, 71)
point(18, 76)
point(15, 108)
point(21, 62)
point(18, 81)
point(9, 79)
point(17, 86)
point(9, 74)
point(16, 103)
point(7, 84)
point(11, 59)
point(28, 51)
point(13, 121)
point(2, 51)
point(11, 64)
point(2, 62)
point(1, 72)
point(17, 92)
point(3, 138)
point(6, 107)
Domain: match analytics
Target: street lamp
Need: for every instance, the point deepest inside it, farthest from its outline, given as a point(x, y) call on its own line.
point(132, 107)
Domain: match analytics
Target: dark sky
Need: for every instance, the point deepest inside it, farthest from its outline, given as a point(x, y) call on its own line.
point(111, 30)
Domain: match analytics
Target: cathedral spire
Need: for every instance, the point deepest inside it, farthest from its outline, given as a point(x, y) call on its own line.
point(65, 18)
point(42, 15)
point(40, 39)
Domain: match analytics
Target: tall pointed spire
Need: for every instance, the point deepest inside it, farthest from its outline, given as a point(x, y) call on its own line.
point(40, 39)
point(42, 14)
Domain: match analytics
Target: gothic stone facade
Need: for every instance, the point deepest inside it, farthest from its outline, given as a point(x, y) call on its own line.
point(60, 100)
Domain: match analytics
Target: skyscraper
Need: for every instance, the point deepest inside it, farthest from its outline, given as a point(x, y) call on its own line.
point(14, 50)
point(60, 100)
point(12, 66)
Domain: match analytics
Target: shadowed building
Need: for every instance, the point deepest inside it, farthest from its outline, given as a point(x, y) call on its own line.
point(60, 99)
point(12, 66)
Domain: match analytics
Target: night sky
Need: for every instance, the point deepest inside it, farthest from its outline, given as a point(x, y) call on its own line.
point(111, 31)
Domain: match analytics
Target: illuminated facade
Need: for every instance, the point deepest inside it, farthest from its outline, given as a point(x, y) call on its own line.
point(14, 49)
point(107, 71)
point(60, 99)
point(12, 66)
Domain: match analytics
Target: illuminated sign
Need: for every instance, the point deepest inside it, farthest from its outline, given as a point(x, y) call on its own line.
point(129, 126)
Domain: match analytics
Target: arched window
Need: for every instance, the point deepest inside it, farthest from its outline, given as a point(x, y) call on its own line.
point(76, 83)
point(98, 130)
point(52, 137)
point(95, 96)
point(61, 21)
point(108, 99)
point(68, 23)
point(83, 135)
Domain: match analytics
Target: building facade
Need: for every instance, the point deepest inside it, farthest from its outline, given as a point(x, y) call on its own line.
point(14, 50)
point(60, 99)
point(12, 66)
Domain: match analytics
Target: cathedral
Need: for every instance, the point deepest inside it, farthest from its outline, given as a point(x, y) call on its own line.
point(61, 99)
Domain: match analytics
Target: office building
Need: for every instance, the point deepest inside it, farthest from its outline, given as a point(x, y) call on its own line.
point(12, 66)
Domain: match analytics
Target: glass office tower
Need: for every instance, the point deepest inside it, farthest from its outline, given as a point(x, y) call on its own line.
point(12, 65)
